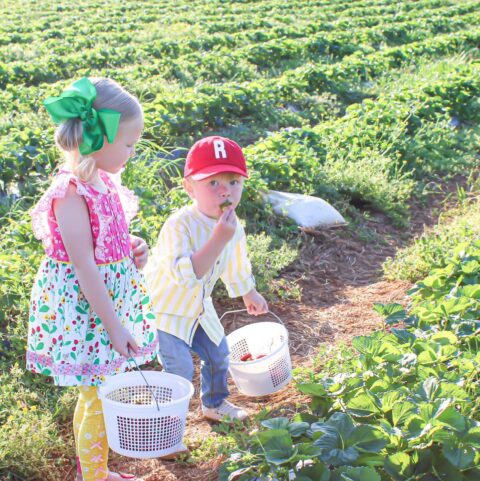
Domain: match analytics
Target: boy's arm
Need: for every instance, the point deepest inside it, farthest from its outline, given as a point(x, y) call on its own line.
point(224, 230)
point(173, 253)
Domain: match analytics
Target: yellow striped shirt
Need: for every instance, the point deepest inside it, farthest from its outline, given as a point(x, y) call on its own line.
point(180, 300)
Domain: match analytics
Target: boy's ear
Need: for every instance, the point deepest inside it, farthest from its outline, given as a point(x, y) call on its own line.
point(187, 185)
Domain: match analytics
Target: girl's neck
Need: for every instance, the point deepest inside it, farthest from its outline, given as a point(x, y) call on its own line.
point(98, 184)
point(96, 181)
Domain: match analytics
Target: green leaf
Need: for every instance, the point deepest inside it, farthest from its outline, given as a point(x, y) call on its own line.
point(265, 436)
point(460, 457)
point(316, 472)
point(367, 438)
point(44, 308)
point(427, 357)
point(453, 391)
point(429, 388)
point(355, 474)
point(279, 450)
point(307, 451)
point(89, 336)
point(393, 313)
point(452, 418)
point(364, 344)
point(404, 336)
point(390, 399)
point(297, 429)
point(402, 411)
point(445, 337)
point(312, 389)
point(473, 437)
point(363, 405)
point(276, 423)
point(398, 466)
point(342, 422)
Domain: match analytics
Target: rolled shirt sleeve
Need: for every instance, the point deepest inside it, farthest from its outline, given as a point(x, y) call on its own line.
point(174, 251)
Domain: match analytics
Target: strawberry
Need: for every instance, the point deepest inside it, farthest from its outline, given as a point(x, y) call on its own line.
point(246, 357)
point(225, 204)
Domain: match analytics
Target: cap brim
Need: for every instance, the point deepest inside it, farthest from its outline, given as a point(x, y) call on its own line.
point(217, 169)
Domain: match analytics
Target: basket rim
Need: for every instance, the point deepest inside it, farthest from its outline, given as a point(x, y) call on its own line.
point(102, 394)
point(265, 358)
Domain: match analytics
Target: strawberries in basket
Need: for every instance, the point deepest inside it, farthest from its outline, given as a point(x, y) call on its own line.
point(248, 357)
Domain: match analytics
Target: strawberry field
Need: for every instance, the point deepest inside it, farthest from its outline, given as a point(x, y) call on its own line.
point(373, 106)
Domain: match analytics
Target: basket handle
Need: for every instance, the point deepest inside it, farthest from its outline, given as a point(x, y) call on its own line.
point(152, 392)
point(245, 310)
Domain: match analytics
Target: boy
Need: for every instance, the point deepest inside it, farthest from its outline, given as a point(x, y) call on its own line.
point(197, 245)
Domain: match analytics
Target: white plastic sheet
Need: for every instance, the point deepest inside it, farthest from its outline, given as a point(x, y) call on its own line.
point(307, 211)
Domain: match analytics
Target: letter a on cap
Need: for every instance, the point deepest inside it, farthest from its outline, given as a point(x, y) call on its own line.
point(219, 147)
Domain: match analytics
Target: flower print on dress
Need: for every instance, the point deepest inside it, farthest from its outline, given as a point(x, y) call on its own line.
point(66, 338)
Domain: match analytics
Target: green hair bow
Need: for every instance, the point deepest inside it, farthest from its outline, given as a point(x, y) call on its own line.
point(76, 102)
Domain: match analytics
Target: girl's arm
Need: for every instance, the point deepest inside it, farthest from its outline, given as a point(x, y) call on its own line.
point(74, 224)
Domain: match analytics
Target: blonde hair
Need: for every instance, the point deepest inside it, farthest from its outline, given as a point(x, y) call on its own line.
point(69, 134)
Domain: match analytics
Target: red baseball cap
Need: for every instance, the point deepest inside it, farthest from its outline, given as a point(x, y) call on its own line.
point(214, 155)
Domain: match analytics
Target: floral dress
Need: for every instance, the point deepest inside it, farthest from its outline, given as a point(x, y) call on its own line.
point(66, 339)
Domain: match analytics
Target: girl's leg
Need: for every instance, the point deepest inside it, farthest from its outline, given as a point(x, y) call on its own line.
point(92, 442)
point(77, 421)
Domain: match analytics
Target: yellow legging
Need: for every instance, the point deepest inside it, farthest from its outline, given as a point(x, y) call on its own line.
point(90, 436)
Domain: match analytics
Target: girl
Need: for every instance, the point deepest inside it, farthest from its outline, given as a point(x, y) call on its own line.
point(90, 310)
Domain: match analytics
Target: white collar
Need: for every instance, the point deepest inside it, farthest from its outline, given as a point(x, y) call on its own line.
point(207, 220)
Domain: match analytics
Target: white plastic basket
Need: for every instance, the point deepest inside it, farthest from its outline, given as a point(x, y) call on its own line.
point(145, 418)
point(270, 373)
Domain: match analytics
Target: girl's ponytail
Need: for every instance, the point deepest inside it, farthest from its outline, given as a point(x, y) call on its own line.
point(68, 136)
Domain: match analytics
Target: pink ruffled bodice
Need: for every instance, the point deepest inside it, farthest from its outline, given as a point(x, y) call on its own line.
point(110, 213)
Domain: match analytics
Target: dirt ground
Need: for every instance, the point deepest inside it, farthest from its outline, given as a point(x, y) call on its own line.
point(341, 277)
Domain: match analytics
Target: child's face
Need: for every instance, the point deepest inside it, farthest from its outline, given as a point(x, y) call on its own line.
point(112, 158)
point(212, 192)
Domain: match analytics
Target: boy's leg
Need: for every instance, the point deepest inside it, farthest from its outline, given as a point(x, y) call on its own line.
point(214, 368)
point(174, 355)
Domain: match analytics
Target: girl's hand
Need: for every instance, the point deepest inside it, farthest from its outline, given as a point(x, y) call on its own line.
point(255, 303)
point(226, 225)
point(122, 340)
point(140, 251)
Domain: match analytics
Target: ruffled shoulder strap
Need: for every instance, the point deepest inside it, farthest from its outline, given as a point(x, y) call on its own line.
point(43, 208)
point(128, 199)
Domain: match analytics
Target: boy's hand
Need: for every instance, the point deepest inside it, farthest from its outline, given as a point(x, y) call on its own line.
point(140, 251)
point(255, 303)
point(226, 225)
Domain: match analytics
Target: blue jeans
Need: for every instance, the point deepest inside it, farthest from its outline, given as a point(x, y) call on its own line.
point(176, 358)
